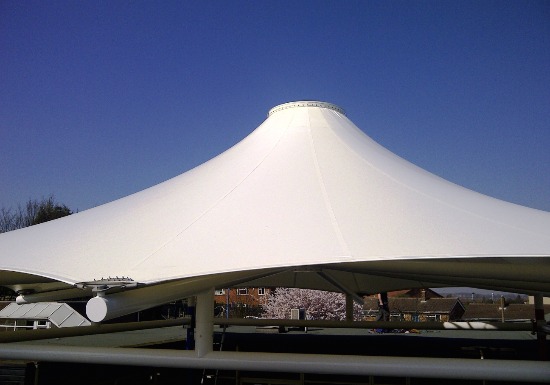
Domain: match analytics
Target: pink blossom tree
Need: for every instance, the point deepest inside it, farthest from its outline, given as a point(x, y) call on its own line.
point(319, 305)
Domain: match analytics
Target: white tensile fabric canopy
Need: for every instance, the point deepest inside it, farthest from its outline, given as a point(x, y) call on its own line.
point(306, 200)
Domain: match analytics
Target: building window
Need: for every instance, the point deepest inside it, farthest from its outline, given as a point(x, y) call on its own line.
point(41, 324)
point(261, 291)
point(396, 317)
point(243, 291)
point(219, 292)
point(434, 317)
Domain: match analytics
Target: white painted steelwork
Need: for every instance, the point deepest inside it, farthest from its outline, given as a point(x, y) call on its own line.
point(474, 369)
point(306, 103)
point(204, 330)
point(22, 336)
point(105, 307)
point(112, 328)
point(52, 296)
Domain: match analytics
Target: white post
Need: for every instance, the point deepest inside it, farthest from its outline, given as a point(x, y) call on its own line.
point(204, 332)
point(349, 308)
point(539, 319)
point(192, 302)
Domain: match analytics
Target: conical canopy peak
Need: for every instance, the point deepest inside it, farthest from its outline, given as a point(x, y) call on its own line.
point(306, 103)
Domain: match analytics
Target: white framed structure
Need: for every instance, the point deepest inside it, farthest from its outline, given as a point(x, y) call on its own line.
point(42, 315)
point(306, 200)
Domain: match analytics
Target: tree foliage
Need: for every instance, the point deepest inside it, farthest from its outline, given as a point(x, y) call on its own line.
point(320, 305)
point(33, 213)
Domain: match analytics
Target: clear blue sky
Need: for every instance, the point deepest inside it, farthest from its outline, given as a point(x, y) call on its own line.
point(100, 99)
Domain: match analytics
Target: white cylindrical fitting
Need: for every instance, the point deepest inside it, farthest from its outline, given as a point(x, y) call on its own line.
point(108, 306)
point(96, 309)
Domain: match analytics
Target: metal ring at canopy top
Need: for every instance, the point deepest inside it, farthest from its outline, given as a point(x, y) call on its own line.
point(306, 103)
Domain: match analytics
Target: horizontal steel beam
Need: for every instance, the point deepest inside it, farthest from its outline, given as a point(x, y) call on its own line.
point(43, 334)
point(486, 326)
point(25, 335)
point(443, 368)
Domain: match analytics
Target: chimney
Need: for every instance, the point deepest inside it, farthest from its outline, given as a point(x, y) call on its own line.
point(423, 295)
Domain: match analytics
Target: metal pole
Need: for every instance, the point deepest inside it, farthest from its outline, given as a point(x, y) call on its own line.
point(227, 303)
point(204, 332)
point(23, 335)
point(418, 367)
point(42, 334)
point(349, 308)
point(51, 296)
point(539, 319)
point(190, 331)
point(485, 326)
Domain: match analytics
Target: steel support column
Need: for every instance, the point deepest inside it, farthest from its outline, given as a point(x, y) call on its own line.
point(540, 321)
point(204, 331)
point(349, 308)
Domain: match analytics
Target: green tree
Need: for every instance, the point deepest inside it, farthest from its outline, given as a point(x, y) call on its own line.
point(48, 210)
point(33, 213)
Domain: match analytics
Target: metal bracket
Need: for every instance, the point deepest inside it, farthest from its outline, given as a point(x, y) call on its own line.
point(109, 284)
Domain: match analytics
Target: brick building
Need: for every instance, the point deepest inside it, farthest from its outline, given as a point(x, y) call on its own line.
point(418, 305)
point(242, 301)
point(514, 312)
